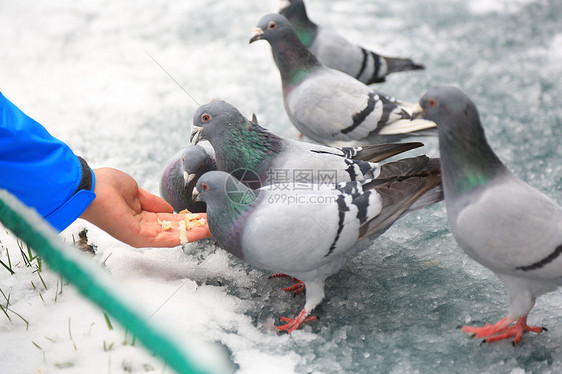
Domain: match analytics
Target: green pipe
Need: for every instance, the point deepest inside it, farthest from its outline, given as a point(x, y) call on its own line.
point(90, 281)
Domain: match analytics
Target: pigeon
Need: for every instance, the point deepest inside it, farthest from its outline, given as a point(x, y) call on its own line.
point(497, 219)
point(335, 51)
point(329, 106)
point(180, 176)
point(257, 157)
point(309, 234)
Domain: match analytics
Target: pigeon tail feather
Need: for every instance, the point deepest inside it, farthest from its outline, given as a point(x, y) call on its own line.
point(398, 198)
point(380, 152)
point(396, 64)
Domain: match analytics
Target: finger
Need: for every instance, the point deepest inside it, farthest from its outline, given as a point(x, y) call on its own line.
point(172, 225)
point(166, 239)
point(171, 238)
point(175, 217)
point(163, 230)
point(153, 203)
point(198, 233)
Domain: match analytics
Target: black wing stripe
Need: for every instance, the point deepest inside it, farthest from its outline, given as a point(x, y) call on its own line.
point(359, 117)
point(376, 59)
point(342, 207)
point(537, 265)
point(364, 63)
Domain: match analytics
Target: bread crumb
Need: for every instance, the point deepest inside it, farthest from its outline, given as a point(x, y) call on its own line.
point(166, 225)
point(189, 222)
point(183, 233)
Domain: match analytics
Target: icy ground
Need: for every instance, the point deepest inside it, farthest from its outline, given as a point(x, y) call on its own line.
point(82, 69)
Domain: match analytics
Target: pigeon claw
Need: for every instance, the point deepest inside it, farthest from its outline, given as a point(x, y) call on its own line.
point(297, 288)
point(294, 323)
point(502, 330)
point(279, 275)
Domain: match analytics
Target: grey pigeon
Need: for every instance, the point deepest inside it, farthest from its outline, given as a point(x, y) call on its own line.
point(337, 52)
point(311, 233)
point(180, 176)
point(497, 219)
point(329, 106)
point(257, 157)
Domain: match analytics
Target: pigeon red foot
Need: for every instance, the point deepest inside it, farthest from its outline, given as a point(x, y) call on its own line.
point(502, 330)
point(294, 323)
point(297, 288)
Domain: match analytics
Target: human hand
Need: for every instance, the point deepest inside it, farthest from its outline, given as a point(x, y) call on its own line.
point(131, 214)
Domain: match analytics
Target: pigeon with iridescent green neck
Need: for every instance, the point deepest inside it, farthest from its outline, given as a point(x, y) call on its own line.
point(310, 232)
point(256, 156)
point(180, 176)
point(337, 52)
point(497, 219)
point(329, 106)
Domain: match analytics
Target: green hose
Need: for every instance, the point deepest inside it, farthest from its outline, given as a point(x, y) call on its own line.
point(90, 281)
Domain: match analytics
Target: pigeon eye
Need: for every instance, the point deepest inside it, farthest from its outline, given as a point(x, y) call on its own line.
point(206, 117)
point(205, 187)
point(432, 102)
point(271, 25)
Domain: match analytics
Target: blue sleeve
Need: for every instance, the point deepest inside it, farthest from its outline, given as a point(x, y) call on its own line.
point(40, 170)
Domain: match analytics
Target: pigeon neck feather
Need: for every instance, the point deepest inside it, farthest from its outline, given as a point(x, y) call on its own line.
point(467, 160)
point(227, 219)
point(294, 60)
point(246, 145)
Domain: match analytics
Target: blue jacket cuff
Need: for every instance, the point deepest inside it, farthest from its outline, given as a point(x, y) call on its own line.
point(67, 213)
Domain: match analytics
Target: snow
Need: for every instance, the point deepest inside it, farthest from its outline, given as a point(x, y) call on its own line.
point(83, 70)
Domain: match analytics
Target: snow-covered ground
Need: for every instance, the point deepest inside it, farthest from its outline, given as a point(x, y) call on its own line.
point(83, 70)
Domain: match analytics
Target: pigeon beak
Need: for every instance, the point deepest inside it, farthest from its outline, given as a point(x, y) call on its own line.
point(417, 111)
point(195, 134)
point(188, 177)
point(195, 194)
point(256, 35)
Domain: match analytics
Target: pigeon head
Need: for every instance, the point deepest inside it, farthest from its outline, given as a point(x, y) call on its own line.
point(272, 27)
point(467, 159)
point(239, 144)
point(451, 109)
point(176, 185)
point(194, 159)
point(294, 60)
point(213, 119)
point(219, 190)
point(456, 116)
